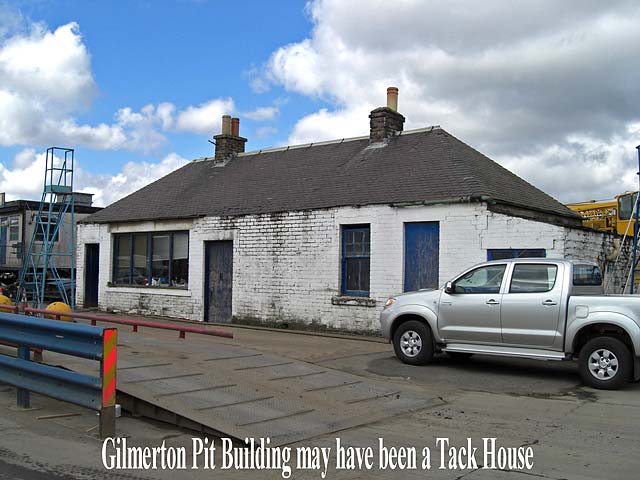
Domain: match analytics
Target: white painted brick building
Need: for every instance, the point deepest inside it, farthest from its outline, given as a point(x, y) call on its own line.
point(298, 281)
point(308, 244)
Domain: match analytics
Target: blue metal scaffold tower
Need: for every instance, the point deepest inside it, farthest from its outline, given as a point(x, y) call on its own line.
point(48, 249)
point(636, 227)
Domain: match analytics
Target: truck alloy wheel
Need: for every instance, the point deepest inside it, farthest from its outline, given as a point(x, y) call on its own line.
point(413, 343)
point(410, 343)
point(605, 363)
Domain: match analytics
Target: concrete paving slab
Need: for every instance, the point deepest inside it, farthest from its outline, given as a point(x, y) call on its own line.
point(244, 392)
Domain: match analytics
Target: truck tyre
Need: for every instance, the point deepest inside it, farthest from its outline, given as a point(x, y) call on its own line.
point(413, 343)
point(605, 363)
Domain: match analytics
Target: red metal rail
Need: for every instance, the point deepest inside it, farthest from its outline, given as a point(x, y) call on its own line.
point(133, 323)
point(10, 308)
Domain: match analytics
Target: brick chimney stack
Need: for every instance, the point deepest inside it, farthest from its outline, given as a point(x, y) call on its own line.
point(229, 143)
point(386, 122)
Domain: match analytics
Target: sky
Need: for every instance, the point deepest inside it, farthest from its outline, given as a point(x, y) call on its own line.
point(550, 90)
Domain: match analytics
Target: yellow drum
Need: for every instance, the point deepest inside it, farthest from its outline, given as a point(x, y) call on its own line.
point(59, 307)
point(4, 300)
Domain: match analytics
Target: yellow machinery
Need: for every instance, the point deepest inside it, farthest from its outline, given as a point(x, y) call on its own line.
point(597, 215)
point(609, 215)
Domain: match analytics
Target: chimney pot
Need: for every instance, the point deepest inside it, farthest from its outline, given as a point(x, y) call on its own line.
point(235, 127)
point(226, 124)
point(392, 98)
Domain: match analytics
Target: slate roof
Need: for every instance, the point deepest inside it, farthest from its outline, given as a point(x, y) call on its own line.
point(426, 165)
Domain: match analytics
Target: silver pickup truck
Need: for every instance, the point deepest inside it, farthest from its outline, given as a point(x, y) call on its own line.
point(529, 308)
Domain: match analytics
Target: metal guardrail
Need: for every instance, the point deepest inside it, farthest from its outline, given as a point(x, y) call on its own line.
point(182, 329)
point(10, 308)
point(84, 341)
point(37, 352)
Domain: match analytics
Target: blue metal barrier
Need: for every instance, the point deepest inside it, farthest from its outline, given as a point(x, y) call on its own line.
point(94, 343)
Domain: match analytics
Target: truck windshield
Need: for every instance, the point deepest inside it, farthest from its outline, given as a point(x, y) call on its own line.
point(586, 275)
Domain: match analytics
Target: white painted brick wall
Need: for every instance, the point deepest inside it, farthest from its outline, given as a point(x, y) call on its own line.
point(602, 248)
point(286, 266)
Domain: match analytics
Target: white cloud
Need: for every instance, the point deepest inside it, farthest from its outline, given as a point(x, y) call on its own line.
point(44, 76)
point(24, 158)
point(11, 19)
point(133, 176)
point(264, 132)
point(259, 85)
point(46, 80)
point(24, 179)
point(522, 91)
point(49, 65)
point(164, 113)
point(325, 125)
point(294, 66)
point(205, 118)
point(582, 167)
point(261, 114)
point(142, 129)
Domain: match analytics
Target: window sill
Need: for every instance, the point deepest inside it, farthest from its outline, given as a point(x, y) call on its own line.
point(353, 301)
point(164, 287)
point(152, 290)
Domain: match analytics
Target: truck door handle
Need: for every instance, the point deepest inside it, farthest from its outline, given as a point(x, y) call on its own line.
point(549, 302)
point(492, 302)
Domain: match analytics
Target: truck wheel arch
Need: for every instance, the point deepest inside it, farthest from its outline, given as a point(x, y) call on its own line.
point(601, 329)
point(405, 317)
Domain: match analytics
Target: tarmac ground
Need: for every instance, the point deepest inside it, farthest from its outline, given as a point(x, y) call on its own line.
point(572, 432)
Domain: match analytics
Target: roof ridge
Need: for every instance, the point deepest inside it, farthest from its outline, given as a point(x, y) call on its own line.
point(334, 141)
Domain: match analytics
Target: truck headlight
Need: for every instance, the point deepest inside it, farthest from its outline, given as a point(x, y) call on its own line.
point(390, 302)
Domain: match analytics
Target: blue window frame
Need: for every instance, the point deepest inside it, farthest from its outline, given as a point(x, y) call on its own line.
point(506, 253)
point(356, 256)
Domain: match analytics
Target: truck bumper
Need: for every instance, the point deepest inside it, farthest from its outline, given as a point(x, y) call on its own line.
point(386, 320)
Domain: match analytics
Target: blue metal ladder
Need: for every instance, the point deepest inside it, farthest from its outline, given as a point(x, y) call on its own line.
point(47, 250)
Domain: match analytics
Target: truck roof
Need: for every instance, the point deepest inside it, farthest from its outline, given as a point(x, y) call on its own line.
point(542, 260)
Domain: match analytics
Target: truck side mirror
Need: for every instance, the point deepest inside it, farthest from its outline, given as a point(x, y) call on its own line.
point(448, 288)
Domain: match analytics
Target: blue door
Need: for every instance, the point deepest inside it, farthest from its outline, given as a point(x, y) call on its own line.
point(421, 255)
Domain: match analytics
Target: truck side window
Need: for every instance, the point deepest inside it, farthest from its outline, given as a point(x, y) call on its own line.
point(530, 278)
point(586, 275)
point(481, 280)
